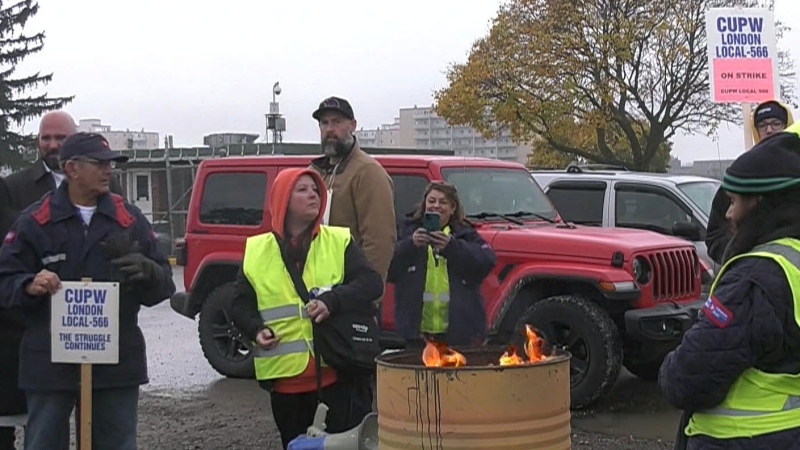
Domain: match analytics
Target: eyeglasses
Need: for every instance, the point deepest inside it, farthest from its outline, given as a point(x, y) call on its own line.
point(96, 163)
point(776, 125)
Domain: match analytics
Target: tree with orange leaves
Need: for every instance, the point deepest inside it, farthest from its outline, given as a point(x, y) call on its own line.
point(606, 81)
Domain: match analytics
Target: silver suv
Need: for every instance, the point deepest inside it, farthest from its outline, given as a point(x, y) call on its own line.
point(610, 196)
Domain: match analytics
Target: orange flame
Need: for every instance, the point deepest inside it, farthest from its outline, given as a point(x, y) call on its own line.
point(533, 349)
point(510, 357)
point(437, 354)
point(533, 346)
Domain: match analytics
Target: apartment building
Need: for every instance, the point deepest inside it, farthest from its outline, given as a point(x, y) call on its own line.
point(422, 128)
point(121, 139)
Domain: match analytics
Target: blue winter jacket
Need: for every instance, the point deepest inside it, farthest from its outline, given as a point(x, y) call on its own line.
point(759, 330)
point(469, 261)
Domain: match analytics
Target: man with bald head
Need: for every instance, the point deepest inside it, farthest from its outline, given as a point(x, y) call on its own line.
point(29, 185)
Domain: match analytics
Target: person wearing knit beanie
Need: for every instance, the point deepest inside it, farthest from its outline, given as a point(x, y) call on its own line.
point(771, 166)
point(733, 372)
point(768, 118)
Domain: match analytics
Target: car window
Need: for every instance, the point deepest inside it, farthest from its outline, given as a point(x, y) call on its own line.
point(580, 203)
point(233, 199)
point(649, 209)
point(499, 191)
point(408, 190)
point(701, 193)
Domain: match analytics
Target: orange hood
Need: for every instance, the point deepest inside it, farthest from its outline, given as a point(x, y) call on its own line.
point(282, 191)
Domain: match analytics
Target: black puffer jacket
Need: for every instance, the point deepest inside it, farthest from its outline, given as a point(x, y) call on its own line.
point(755, 329)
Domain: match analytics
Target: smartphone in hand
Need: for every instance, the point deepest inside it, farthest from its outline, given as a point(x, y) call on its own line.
point(430, 222)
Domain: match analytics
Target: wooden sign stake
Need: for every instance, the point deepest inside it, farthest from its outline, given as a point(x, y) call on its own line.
point(86, 401)
point(746, 122)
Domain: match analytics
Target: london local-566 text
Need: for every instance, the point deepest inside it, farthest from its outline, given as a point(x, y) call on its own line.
point(85, 308)
point(741, 37)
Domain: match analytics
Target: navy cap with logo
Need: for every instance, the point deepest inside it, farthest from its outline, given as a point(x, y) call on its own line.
point(334, 104)
point(770, 110)
point(88, 145)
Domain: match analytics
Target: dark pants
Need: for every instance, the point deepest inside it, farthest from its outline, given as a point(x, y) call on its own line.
point(114, 419)
point(348, 401)
point(12, 400)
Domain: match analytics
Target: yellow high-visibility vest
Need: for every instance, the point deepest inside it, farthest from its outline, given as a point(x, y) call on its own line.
point(278, 303)
point(436, 297)
point(758, 403)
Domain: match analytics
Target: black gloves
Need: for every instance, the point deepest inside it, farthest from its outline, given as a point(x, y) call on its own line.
point(137, 267)
point(131, 265)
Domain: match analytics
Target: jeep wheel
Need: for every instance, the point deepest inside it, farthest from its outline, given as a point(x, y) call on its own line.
point(581, 327)
point(224, 348)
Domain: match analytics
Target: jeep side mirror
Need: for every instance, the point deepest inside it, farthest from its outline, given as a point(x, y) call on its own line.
point(687, 230)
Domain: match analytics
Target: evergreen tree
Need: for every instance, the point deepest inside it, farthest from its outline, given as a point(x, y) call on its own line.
point(18, 103)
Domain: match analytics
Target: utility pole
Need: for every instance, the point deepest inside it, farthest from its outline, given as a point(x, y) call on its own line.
point(275, 122)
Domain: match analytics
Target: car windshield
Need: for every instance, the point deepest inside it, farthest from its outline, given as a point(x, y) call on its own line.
point(495, 192)
point(701, 193)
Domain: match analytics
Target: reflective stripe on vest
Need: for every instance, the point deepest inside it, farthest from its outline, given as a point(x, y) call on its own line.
point(282, 312)
point(436, 298)
point(278, 303)
point(758, 403)
point(283, 348)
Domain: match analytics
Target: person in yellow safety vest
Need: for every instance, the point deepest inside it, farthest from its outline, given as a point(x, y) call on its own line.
point(768, 118)
point(437, 269)
point(736, 373)
point(268, 310)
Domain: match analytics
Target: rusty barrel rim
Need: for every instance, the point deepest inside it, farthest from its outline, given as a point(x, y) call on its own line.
point(385, 360)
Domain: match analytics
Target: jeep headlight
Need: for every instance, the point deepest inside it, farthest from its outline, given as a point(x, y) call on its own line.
point(641, 270)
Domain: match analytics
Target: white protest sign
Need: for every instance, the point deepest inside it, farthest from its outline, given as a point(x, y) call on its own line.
point(84, 323)
point(742, 55)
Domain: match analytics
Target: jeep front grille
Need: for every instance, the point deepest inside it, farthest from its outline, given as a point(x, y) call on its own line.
point(674, 274)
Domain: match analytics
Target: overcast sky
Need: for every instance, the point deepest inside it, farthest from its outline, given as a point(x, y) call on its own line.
point(193, 68)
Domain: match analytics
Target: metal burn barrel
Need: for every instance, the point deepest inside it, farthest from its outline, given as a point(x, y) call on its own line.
point(477, 406)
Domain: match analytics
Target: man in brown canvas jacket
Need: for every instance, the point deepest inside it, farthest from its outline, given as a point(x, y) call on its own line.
point(360, 191)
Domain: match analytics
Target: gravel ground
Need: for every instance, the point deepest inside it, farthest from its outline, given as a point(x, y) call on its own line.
point(242, 421)
point(234, 414)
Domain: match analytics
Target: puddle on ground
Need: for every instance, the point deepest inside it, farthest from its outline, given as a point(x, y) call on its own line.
point(652, 425)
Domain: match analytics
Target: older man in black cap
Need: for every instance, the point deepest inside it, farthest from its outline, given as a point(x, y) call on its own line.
point(81, 230)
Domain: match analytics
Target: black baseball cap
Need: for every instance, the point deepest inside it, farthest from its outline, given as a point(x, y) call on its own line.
point(334, 104)
point(88, 145)
point(770, 110)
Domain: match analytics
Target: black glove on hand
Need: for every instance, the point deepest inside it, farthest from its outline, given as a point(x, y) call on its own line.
point(118, 245)
point(137, 267)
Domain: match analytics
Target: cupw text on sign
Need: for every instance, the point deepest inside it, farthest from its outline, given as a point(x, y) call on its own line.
point(742, 55)
point(85, 323)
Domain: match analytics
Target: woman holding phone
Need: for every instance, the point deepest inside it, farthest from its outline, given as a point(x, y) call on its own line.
point(437, 269)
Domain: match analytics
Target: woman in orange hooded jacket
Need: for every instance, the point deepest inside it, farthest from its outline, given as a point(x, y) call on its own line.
point(269, 311)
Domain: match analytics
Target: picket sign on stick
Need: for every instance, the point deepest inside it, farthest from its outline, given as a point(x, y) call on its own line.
point(84, 329)
point(742, 59)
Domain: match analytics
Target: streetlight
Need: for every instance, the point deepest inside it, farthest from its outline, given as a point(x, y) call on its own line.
point(275, 122)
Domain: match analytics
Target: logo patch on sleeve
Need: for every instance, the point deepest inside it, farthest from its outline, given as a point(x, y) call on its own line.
point(717, 313)
point(9, 237)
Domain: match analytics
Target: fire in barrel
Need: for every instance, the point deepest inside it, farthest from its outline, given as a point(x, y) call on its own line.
point(474, 398)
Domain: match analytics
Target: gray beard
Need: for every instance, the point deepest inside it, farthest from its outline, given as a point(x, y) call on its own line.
point(337, 147)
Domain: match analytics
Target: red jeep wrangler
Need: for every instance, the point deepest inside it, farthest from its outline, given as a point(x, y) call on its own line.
point(611, 297)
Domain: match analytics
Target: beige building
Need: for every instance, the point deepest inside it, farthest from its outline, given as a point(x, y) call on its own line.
point(387, 135)
point(119, 139)
point(705, 168)
point(421, 128)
